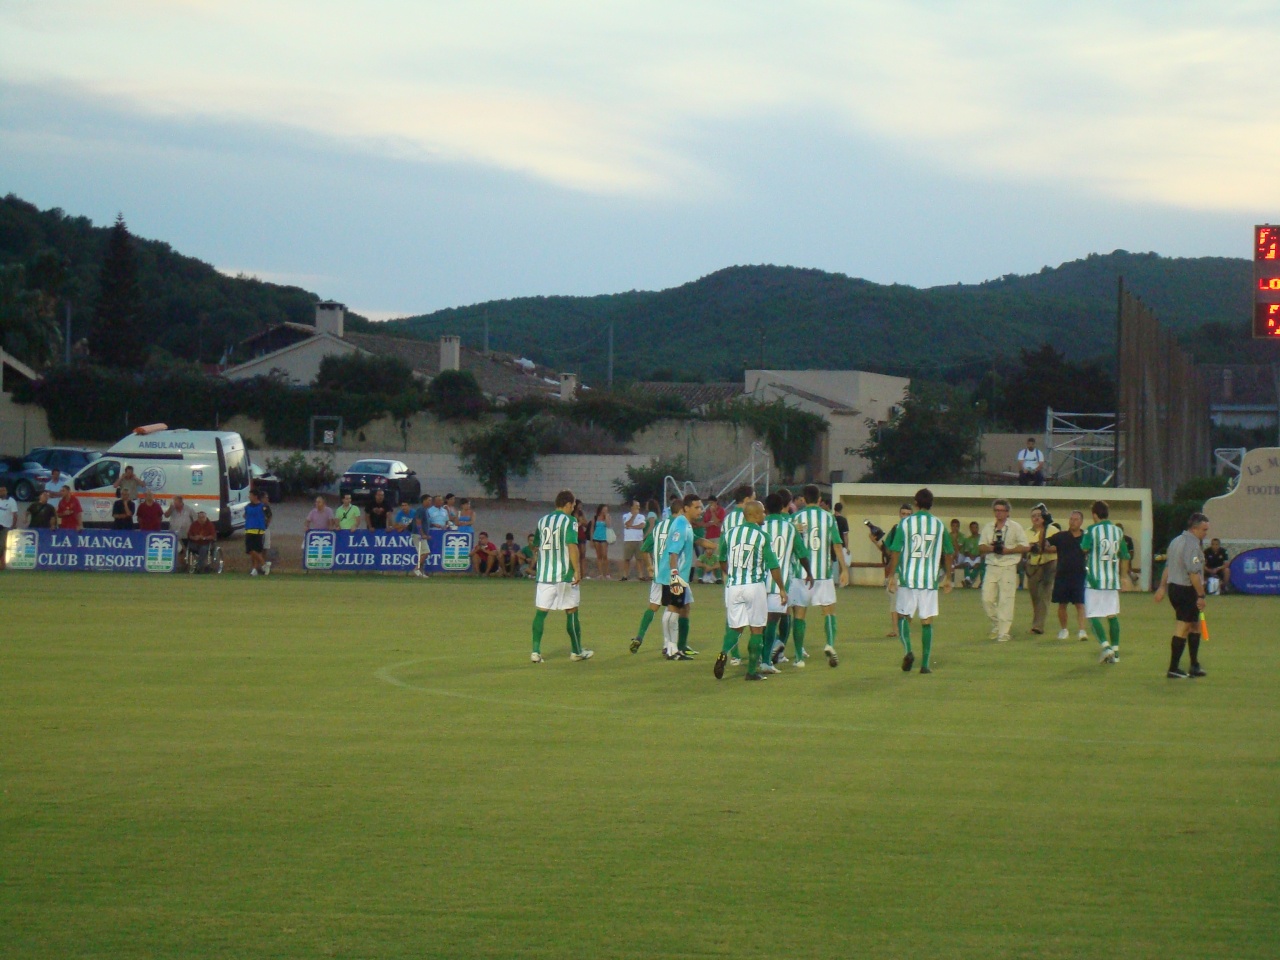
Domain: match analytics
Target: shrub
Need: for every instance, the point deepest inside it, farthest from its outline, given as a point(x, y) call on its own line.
point(455, 395)
point(298, 475)
point(645, 483)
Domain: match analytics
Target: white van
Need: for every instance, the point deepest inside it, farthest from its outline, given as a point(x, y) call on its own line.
point(208, 469)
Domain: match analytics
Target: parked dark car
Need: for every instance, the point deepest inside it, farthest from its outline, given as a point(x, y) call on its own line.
point(24, 479)
point(365, 477)
point(265, 483)
point(67, 459)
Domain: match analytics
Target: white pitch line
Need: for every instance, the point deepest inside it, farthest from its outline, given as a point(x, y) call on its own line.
point(387, 675)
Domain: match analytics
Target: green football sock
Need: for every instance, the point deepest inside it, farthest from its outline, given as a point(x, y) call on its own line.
point(730, 641)
point(784, 629)
point(1099, 630)
point(683, 642)
point(753, 648)
point(830, 622)
point(904, 633)
point(539, 621)
point(926, 643)
point(798, 635)
point(1114, 624)
point(770, 635)
point(574, 629)
point(645, 620)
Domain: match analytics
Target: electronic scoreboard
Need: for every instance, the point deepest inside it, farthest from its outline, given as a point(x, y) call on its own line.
point(1266, 282)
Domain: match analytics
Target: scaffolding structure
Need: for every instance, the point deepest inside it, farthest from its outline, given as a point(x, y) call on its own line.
point(1082, 447)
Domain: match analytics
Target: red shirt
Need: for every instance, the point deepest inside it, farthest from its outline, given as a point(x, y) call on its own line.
point(711, 519)
point(150, 515)
point(203, 530)
point(488, 546)
point(69, 511)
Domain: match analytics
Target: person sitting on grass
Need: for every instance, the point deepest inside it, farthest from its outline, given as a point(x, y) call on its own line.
point(484, 557)
point(509, 556)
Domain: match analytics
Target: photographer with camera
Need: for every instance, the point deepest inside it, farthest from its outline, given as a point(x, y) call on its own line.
point(1042, 565)
point(1002, 545)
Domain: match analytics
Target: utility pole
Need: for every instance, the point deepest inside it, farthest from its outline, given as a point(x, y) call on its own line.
point(610, 377)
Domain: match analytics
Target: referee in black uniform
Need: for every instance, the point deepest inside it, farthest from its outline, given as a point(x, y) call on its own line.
point(1184, 581)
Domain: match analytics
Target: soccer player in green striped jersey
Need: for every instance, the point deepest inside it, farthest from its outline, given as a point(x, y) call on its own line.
point(733, 516)
point(747, 559)
point(559, 575)
point(789, 548)
point(818, 527)
point(920, 552)
point(655, 546)
point(1106, 574)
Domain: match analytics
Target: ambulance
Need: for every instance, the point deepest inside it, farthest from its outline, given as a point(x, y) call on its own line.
point(208, 469)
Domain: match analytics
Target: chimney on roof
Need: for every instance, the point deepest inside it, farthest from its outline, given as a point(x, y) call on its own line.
point(330, 317)
point(450, 353)
point(568, 386)
point(1228, 383)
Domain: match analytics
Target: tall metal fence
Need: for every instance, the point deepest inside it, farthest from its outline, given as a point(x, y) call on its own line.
point(1163, 405)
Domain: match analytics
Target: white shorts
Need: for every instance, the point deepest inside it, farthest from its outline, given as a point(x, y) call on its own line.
point(917, 603)
point(775, 602)
point(797, 592)
point(655, 594)
point(557, 596)
point(1100, 604)
point(822, 593)
point(746, 606)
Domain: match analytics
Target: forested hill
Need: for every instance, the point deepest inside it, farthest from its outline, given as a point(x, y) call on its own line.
point(189, 308)
point(713, 327)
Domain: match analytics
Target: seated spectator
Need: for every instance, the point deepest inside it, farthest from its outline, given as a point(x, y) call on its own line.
point(1217, 564)
point(347, 515)
point(1031, 465)
point(967, 556)
point(1134, 569)
point(402, 520)
point(485, 556)
point(150, 513)
point(529, 553)
point(121, 512)
point(70, 513)
point(180, 518)
point(509, 556)
point(466, 517)
point(320, 517)
point(201, 537)
point(377, 511)
point(41, 515)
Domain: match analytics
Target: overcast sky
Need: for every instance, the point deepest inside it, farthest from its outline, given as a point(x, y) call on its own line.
point(405, 155)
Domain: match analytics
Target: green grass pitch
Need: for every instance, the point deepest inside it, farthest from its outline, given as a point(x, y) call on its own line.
point(371, 767)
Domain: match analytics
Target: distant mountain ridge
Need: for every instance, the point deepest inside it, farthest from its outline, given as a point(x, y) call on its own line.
point(712, 328)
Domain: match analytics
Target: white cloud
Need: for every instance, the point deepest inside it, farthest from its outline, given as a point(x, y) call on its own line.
point(1155, 102)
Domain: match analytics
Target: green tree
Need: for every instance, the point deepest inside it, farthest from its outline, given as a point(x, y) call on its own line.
point(360, 373)
point(117, 338)
point(933, 439)
point(1046, 378)
point(28, 328)
point(455, 395)
point(507, 448)
point(645, 483)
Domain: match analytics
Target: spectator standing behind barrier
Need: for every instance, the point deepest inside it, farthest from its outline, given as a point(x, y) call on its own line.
point(256, 519)
point(451, 508)
point(1069, 580)
point(437, 515)
point(1031, 465)
point(600, 541)
point(40, 515)
point(150, 514)
point(70, 513)
point(347, 515)
point(121, 512)
point(402, 519)
point(484, 557)
point(57, 484)
point(1003, 544)
point(8, 520)
point(466, 518)
point(180, 518)
point(320, 517)
point(376, 512)
point(633, 522)
point(129, 484)
point(201, 537)
point(1042, 565)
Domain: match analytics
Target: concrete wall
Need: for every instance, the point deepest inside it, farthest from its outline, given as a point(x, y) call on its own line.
point(710, 448)
point(22, 426)
point(590, 477)
point(879, 502)
point(1251, 512)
